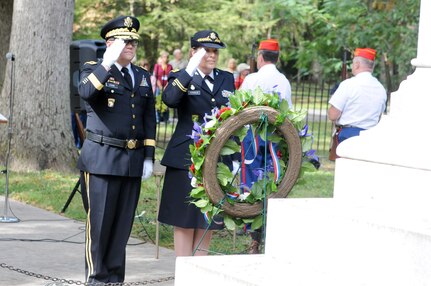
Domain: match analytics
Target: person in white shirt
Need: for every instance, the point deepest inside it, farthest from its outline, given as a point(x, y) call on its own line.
point(268, 78)
point(358, 102)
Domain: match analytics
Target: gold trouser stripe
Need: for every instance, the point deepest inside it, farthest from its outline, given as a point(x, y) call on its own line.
point(88, 256)
point(97, 84)
point(180, 85)
point(150, 142)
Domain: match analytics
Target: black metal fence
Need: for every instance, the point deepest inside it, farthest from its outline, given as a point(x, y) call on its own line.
point(309, 96)
point(314, 97)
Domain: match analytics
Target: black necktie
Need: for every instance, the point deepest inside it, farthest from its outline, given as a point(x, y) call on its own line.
point(127, 77)
point(210, 79)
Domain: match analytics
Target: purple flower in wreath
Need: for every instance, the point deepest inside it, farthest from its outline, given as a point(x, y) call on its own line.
point(196, 132)
point(313, 158)
point(311, 154)
point(213, 115)
point(304, 131)
point(258, 173)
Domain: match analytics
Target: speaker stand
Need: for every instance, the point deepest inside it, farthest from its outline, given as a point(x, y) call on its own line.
point(6, 218)
point(81, 135)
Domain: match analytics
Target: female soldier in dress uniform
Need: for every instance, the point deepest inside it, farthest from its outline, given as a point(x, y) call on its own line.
point(194, 91)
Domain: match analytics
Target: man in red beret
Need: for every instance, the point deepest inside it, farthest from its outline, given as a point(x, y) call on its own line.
point(269, 80)
point(358, 102)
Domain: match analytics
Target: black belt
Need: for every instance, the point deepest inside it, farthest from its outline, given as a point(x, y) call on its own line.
point(122, 143)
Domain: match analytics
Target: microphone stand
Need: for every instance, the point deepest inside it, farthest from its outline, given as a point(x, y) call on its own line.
point(6, 218)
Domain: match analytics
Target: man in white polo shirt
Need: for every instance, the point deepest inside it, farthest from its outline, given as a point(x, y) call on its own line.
point(359, 101)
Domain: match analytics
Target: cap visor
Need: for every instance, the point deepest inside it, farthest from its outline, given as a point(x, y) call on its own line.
point(127, 37)
point(212, 45)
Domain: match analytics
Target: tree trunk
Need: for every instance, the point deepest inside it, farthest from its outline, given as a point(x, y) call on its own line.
point(6, 7)
point(40, 38)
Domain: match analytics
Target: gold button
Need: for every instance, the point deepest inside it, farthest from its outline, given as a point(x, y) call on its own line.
point(133, 127)
point(134, 116)
point(133, 95)
point(212, 99)
point(112, 91)
point(133, 105)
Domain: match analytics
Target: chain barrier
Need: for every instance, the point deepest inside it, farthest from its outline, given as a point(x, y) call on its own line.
point(77, 282)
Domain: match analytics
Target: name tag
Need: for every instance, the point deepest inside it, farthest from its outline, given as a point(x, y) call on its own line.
point(111, 85)
point(194, 92)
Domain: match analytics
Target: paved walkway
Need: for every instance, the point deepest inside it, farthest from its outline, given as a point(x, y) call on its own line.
point(52, 245)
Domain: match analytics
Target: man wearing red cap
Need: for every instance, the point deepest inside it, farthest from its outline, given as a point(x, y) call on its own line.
point(269, 80)
point(359, 101)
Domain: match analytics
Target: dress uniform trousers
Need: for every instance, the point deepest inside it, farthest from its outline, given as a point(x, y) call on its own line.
point(107, 234)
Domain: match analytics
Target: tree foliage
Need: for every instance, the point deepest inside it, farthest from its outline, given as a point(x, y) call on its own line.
point(312, 33)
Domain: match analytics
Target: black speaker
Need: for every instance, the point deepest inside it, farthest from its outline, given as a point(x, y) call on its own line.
point(82, 51)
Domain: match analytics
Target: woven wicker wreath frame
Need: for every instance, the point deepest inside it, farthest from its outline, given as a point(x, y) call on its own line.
point(223, 133)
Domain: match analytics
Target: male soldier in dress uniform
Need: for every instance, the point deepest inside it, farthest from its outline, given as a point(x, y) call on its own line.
point(118, 150)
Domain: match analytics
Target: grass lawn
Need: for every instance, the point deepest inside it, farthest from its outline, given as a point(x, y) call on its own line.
point(50, 190)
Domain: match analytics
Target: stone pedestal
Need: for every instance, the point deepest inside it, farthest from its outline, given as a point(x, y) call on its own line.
point(325, 242)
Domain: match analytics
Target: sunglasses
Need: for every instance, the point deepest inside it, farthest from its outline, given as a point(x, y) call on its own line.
point(134, 43)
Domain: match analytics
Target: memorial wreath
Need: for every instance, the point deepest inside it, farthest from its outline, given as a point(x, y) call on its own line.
point(216, 189)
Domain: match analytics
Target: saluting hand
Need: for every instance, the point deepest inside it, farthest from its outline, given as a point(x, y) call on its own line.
point(112, 53)
point(194, 61)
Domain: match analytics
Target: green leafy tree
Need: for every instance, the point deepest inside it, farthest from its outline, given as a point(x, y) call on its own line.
point(312, 33)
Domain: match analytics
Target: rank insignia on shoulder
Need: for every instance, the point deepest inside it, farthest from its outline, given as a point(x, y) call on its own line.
point(144, 82)
point(226, 93)
point(91, 62)
point(175, 70)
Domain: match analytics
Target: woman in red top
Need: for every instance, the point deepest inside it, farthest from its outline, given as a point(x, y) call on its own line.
point(160, 72)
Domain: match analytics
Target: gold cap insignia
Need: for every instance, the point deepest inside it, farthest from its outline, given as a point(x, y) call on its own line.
point(128, 22)
point(213, 36)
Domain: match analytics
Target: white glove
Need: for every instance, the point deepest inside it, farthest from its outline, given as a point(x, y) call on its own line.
point(148, 169)
point(194, 61)
point(235, 167)
point(113, 52)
